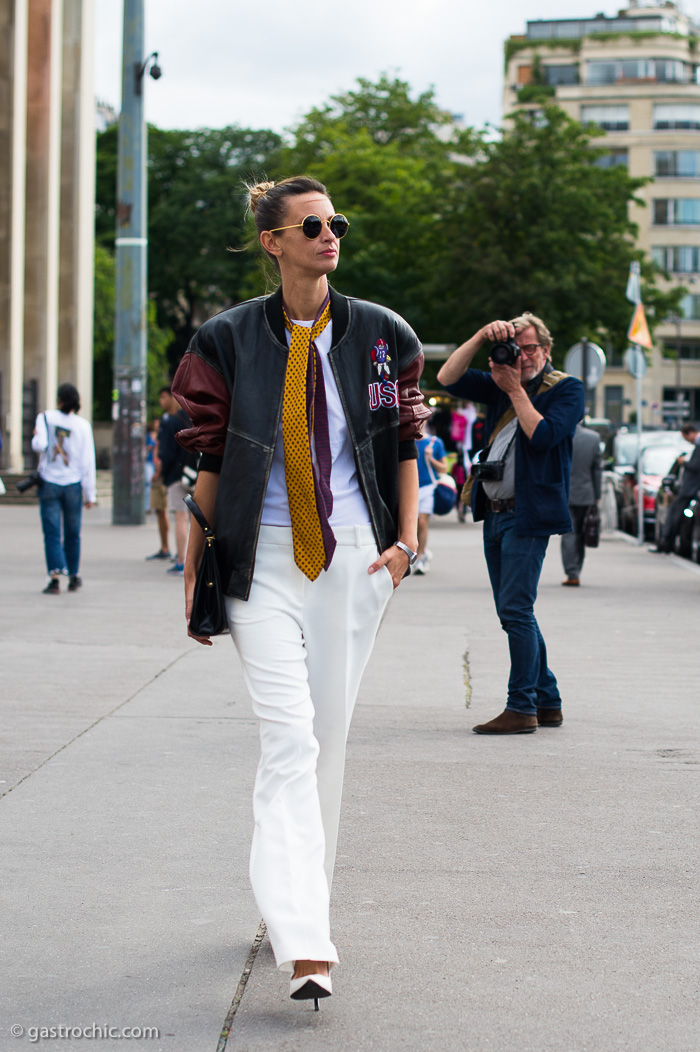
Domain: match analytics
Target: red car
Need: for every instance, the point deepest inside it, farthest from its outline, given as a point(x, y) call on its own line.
point(656, 462)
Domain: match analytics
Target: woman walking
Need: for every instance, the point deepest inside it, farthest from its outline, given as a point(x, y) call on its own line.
point(306, 409)
point(67, 481)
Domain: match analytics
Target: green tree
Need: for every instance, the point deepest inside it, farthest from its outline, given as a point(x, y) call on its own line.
point(385, 111)
point(158, 340)
point(388, 165)
point(536, 225)
point(196, 213)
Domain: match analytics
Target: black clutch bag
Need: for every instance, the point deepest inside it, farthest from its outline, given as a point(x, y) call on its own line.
point(208, 617)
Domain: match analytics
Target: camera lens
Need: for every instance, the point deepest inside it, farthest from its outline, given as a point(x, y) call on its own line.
point(505, 353)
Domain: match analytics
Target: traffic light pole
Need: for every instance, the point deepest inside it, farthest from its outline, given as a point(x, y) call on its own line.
point(129, 393)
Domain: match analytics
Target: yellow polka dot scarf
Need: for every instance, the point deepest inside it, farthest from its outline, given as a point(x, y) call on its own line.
point(310, 552)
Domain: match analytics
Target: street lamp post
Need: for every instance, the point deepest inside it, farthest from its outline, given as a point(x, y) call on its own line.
point(677, 323)
point(129, 392)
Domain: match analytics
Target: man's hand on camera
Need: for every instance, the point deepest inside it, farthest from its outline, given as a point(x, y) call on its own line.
point(508, 377)
point(497, 331)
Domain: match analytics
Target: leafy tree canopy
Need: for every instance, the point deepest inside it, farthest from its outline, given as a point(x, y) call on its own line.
point(387, 161)
point(534, 224)
point(158, 340)
point(385, 111)
point(450, 228)
point(196, 213)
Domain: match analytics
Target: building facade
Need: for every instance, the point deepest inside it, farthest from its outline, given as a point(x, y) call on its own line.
point(47, 193)
point(636, 77)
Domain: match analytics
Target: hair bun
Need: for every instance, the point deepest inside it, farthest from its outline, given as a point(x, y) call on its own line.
point(256, 192)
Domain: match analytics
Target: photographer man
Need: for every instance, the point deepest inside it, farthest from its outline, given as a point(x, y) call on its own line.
point(521, 491)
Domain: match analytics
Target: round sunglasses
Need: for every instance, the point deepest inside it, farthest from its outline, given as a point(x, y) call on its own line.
point(313, 225)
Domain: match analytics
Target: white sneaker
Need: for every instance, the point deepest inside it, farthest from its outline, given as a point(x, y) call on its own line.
point(421, 566)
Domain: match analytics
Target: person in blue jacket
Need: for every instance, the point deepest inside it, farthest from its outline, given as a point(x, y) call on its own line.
point(531, 414)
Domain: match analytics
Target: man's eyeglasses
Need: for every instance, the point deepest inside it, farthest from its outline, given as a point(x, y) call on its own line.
point(313, 225)
point(530, 348)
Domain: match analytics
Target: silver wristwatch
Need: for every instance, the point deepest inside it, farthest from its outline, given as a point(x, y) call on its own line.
point(412, 556)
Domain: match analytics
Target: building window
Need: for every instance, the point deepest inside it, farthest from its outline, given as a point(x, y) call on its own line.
point(611, 118)
point(612, 159)
point(573, 28)
point(677, 115)
point(676, 211)
point(650, 69)
point(690, 307)
point(681, 164)
point(690, 396)
point(678, 259)
point(690, 352)
point(613, 403)
point(560, 74)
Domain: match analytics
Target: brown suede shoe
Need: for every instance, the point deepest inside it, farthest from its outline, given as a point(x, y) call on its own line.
point(571, 582)
point(508, 723)
point(550, 717)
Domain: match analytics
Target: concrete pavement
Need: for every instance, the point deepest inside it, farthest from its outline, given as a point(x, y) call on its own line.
point(535, 892)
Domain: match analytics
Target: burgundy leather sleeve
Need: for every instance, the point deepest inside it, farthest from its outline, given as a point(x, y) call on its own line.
point(412, 409)
point(203, 394)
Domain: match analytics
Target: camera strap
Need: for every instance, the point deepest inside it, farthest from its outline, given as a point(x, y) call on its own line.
point(506, 451)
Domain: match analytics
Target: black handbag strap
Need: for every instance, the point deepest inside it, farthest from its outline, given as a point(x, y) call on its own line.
point(197, 512)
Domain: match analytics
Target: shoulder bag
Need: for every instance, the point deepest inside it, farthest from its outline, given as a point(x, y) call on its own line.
point(591, 527)
point(208, 616)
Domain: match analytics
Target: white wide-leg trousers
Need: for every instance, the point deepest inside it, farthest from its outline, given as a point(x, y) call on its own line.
point(304, 647)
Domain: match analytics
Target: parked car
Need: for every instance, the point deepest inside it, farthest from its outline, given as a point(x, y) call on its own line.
point(657, 458)
point(687, 541)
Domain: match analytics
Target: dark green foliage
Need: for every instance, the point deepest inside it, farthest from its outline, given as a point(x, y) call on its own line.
point(196, 213)
point(158, 340)
point(449, 228)
point(536, 93)
point(537, 226)
point(381, 156)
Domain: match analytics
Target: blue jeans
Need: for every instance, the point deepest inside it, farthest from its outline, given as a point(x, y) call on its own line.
point(514, 565)
point(56, 503)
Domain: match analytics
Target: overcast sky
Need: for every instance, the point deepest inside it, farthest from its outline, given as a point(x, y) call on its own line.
point(264, 65)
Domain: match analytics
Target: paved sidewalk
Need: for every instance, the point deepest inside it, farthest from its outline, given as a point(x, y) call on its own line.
point(537, 892)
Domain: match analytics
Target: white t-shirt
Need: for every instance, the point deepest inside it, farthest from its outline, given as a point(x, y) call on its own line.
point(349, 507)
point(503, 446)
point(67, 450)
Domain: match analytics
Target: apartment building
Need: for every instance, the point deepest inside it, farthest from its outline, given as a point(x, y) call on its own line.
point(635, 76)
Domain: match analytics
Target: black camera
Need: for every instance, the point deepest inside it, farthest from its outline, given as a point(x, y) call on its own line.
point(31, 480)
point(489, 471)
point(506, 352)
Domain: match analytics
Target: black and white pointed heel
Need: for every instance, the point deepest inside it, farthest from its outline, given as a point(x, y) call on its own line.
point(310, 988)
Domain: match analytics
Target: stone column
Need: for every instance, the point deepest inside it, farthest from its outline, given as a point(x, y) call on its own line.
point(13, 110)
point(43, 187)
point(76, 285)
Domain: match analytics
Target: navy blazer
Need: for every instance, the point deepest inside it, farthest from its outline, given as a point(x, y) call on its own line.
point(543, 462)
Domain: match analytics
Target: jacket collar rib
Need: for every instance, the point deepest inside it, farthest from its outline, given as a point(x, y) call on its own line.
point(340, 315)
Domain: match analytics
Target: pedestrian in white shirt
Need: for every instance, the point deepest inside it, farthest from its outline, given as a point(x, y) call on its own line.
point(67, 472)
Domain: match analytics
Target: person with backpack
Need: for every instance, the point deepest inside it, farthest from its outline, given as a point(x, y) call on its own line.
point(173, 459)
point(432, 461)
point(66, 483)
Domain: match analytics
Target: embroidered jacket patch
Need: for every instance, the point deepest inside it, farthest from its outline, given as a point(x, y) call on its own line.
point(384, 393)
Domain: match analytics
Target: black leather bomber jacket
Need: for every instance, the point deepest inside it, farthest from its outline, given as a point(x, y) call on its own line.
point(231, 384)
